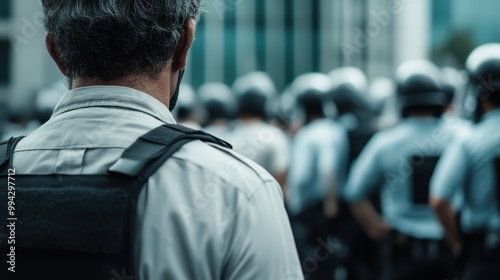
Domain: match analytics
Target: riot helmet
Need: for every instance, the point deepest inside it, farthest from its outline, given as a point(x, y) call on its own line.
point(420, 87)
point(349, 91)
point(253, 92)
point(218, 102)
point(310, 92)
point(483, 66)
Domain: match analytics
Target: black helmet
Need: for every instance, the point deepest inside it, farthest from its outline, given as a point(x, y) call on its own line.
point(186, 104)
point(217, 100)
point(420, 84)
point(349, 91)
point(253, 92)
point(483, 66)
point(310, 91)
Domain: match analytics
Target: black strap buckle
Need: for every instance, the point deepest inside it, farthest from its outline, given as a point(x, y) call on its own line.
point(6, 153)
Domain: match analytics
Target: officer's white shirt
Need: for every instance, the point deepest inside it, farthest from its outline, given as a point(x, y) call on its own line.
point(321, 147)
point(468, 167)
point(262, 143)
point(385, 164)
point(456, 125)
point(207, 213)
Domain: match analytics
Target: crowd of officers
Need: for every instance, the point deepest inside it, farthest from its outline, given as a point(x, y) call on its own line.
point(393, 179)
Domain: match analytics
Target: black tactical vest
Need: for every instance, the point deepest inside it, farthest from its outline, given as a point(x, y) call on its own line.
point(80, 227)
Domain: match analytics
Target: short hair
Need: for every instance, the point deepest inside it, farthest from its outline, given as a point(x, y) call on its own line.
point(311, 102)
point(110, 39)
point(252, 103)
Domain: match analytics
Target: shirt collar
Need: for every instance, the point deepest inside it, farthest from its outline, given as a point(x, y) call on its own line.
point(113, 96)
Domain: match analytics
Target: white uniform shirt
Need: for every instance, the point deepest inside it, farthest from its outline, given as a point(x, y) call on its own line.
point(262, 143)
point(469, 168)
point(319, 148)
point(387, 164)
point(208, 213)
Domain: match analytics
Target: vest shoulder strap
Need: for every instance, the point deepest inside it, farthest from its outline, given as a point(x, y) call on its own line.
point(93, 238)
point(6, 153)
point(150, 151)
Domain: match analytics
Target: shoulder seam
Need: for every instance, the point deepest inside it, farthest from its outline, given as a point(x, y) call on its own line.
point(228, 153)
point(261, 181)
point(248, 194)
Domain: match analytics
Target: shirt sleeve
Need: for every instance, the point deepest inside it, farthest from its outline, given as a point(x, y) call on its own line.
point(261, 243)
point(300, 166)
point(341, 166)
point(328, 156)
point(366, 172)
point(450, 173)
point(204, 226)
point(332, 156)
point(281, 151)
point(300, 172)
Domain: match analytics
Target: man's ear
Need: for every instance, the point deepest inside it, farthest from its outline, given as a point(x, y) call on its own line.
point(55, 54)
point(183, 46)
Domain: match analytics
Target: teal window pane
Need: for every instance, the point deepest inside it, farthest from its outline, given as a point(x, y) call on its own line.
point(5, 52)
point(5, 9)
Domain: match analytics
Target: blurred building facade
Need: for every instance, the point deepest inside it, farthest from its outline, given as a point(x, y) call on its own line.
point(290, 37)
point(283, 37)
point(23, 57)
point(459, 26)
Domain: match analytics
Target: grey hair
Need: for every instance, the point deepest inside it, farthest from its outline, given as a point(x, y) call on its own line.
point(110, 39)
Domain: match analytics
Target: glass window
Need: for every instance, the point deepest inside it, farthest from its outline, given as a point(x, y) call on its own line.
point(260, 34)
point(230, 58)
point(5, 9)
point(5, 52)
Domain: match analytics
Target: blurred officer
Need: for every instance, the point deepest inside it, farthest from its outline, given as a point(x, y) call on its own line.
point(349, 92)
point(455, 85)
point(286, 113)
point(206, 213)
point(219, 104)
point(382, 94)
point(46, 100)
point(252, 136)
point(399, 162)
point(19, 122)
point(185, 109)
point(279, 114)
point(471, 165)
point(317, 172)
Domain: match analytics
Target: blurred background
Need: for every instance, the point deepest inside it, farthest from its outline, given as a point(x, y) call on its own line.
point(284, 38)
